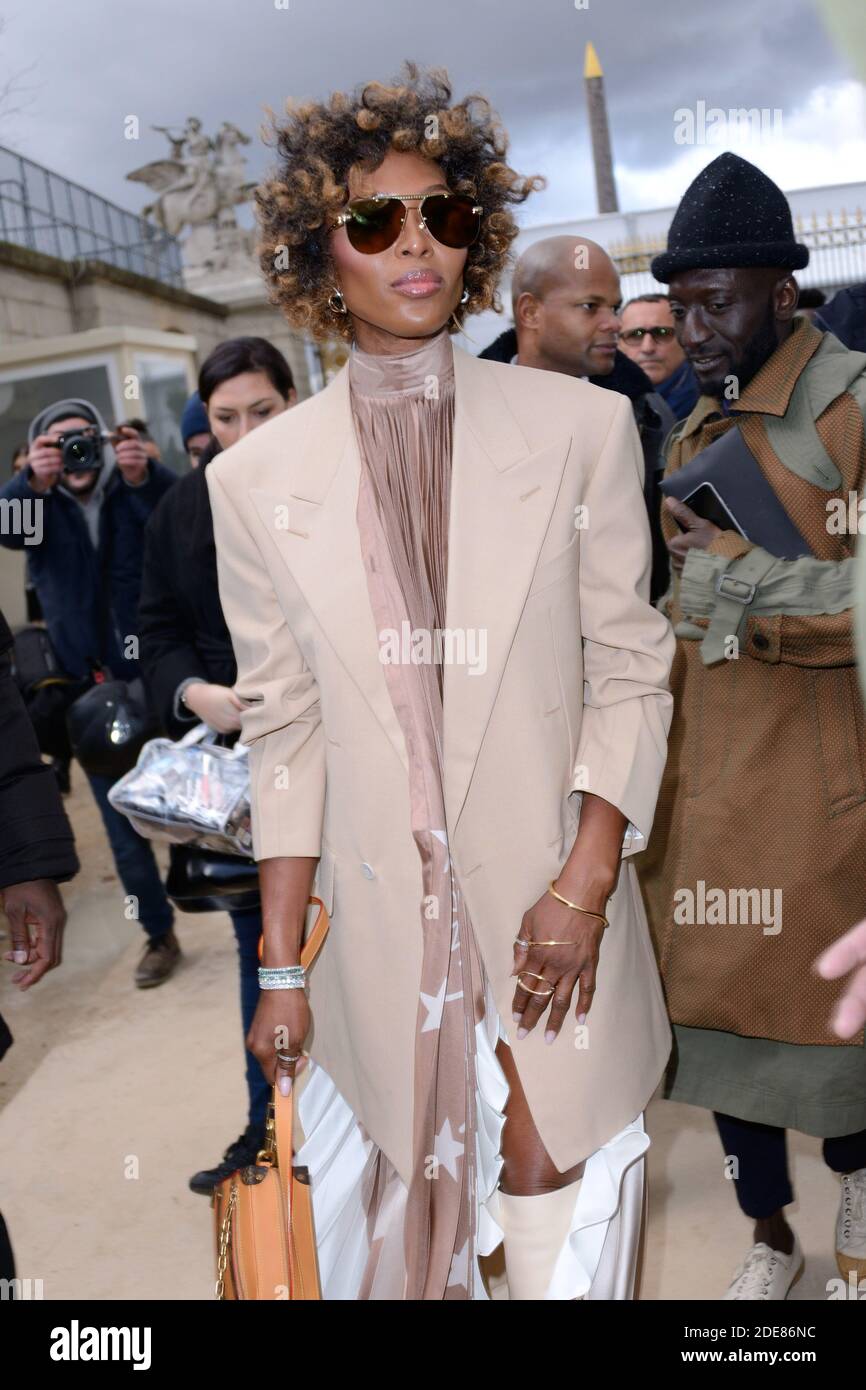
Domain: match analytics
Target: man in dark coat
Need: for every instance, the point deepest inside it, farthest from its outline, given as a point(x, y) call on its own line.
point(845, 316)
point(82, 530)
point(565, 295)
point(85, 562)
point(37, 851)
point(648, 337)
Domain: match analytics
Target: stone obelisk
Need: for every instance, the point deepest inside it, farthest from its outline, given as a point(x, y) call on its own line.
point(605, 187)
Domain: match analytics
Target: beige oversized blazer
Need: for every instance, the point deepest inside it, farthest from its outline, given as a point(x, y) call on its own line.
point(574, 696)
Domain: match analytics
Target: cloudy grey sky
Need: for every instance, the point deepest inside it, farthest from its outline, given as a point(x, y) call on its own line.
point(80, 67)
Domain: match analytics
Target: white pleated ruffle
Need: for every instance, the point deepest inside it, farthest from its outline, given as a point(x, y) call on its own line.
point(597, 1260)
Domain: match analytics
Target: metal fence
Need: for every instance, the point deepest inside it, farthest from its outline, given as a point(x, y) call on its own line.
point(47, 213)
point(837, 254)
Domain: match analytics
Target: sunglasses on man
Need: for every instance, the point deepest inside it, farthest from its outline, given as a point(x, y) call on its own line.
point(373, 224)
point(658, 334)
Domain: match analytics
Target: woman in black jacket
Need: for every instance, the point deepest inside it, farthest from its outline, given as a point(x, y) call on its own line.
point(185, 649)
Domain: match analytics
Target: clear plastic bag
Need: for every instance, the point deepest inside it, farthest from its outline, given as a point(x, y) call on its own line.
point(193, 792)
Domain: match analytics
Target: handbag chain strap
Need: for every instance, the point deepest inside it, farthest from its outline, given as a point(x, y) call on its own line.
point(225, 1235)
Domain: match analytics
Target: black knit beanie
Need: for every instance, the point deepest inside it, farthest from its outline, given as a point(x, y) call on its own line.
point(730, 215)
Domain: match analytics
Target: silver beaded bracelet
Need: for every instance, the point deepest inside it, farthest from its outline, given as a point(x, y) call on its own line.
point(282, 977)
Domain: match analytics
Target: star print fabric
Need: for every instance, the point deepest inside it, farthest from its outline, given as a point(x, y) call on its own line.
point(403, 409)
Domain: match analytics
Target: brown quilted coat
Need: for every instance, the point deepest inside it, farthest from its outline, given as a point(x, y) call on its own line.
point(765, 785)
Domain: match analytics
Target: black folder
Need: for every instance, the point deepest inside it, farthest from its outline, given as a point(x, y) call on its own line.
point(725, 484)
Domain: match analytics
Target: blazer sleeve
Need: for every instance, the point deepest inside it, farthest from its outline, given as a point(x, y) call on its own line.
point(281, 721)
point(628, 644)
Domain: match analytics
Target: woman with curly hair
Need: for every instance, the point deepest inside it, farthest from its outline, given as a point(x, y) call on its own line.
point(454, 689)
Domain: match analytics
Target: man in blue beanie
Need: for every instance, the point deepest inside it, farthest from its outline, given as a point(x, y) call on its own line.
point(195, 428)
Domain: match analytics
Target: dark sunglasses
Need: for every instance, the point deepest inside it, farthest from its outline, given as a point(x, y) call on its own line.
point(658, 335)
point(374, 224)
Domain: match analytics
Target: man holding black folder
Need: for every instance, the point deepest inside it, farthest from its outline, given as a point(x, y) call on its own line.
point(755, 865)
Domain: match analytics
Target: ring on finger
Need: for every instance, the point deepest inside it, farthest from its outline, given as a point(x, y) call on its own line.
point(544, 993)
point(288, 1058)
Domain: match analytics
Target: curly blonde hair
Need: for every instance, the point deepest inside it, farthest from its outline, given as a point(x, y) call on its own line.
point(320, 143)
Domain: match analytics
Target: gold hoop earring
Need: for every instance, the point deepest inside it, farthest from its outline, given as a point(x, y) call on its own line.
point(337, 308)
point(454, 319)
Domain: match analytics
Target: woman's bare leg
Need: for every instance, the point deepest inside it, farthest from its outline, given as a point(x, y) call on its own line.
point(536, 1201)
point(527, 1168)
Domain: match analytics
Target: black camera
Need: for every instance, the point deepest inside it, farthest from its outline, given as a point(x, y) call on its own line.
point(82, 450)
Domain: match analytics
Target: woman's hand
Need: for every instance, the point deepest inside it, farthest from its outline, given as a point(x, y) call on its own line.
point(282, 1018)
point(281, 1023)
point(216, 705)
point(560, 967)
point(588, 877)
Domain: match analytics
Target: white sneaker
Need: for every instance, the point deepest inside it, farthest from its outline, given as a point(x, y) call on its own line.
point(851, 1225)
point(766, 1273)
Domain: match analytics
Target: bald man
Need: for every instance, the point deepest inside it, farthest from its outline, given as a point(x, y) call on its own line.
point(565, 297)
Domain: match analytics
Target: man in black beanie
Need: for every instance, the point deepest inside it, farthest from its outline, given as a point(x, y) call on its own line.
point(755, 864)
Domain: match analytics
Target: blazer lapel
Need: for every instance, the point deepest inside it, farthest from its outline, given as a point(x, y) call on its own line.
point(502, 496)
point(320, 543)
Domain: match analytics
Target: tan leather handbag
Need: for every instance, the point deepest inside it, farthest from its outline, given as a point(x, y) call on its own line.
point(263, 1214)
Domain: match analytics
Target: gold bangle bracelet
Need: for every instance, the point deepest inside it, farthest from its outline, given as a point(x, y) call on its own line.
point(518, 941)
point(585, 910)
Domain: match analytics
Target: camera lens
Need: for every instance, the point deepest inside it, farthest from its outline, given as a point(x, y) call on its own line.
point(81, 452)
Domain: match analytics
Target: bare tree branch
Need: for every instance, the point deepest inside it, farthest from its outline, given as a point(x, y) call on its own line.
point(15, 94)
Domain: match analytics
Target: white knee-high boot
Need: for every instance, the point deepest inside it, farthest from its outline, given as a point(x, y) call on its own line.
point(534, 1231)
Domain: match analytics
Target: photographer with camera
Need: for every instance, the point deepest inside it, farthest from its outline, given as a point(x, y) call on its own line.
point(95, 490)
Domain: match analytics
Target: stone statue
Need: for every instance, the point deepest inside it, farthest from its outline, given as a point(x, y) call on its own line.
point(230, 162)
point(199, 187)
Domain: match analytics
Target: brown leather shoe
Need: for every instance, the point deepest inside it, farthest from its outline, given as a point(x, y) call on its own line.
point(161, 955)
